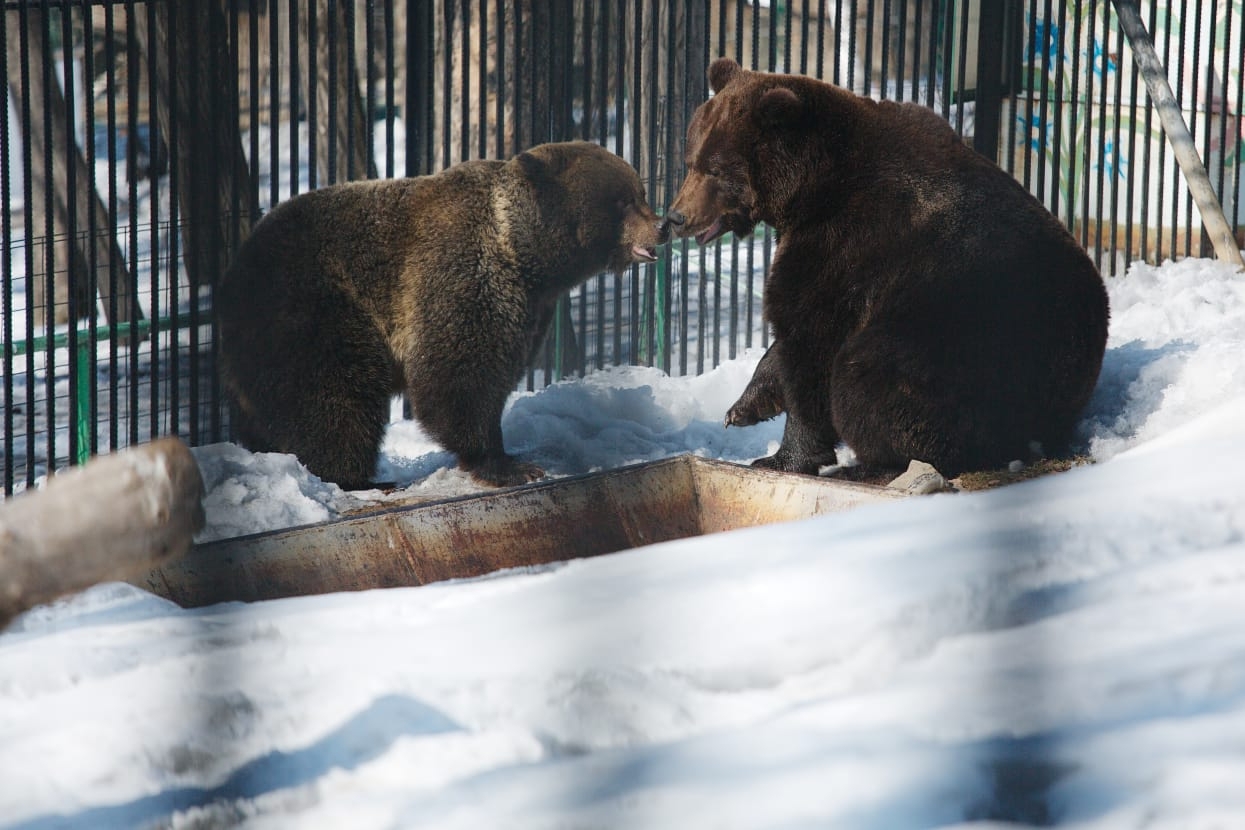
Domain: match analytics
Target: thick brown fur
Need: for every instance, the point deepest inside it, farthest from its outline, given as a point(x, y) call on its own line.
point(924, 305)
point(440, 286)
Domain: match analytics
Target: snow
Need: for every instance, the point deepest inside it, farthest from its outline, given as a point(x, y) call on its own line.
point(1069, 650)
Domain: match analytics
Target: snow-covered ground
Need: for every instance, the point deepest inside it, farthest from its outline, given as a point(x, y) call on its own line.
point(1070, 650)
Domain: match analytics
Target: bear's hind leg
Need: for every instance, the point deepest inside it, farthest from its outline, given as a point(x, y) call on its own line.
point(896, 401)
point(467, 422)
point(339, 437)
point(322, 393)
point(806, 448)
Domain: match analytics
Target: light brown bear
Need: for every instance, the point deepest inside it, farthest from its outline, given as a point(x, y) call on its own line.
point(440, 286)
point(924, 305)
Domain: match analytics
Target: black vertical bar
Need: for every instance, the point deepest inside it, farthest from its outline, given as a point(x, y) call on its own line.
point(6, 229)
point(776, 10)
point(564, 64)
point(391, 105)
point(110, 57)
point(838, 27)
point(585, 132)
point(853, 14)
point(502, 87)
point(918, 40)
point(756, 36)
point(333, 175)
point(28, 200)
point(253, 94)
point(419, 81)
point(902, 48)
point(867, 62)
point(1178, 32)
point(1175, 172)
point(519, 138)
point(295, 98)
point(153, 423)
point(620, 76)
point(351, 104)
point(804, 35)
point(1162, 145)
point(313, 101)
point(447, 81)
point(49, 277)
point(482, 84)
point(1117, 171)
point(133, 59)
point(1104, 221)
point(961, 70)
point(1224, 110)
point(821, 39)
point(1025, 87)
point(274, 104)
point(1012, 88)
point(931, 70)
point(464, 140)
point(1079, 162)
point(665, 141)
point(1145, 162)
point(1238, 147)
point(93, 230)
point(73, 266)
point(948, 49)
point(989, 109)
point(1087, 146)
point(600, 33)
point(637, 69)
point(1057, 185)
point(1203, 241)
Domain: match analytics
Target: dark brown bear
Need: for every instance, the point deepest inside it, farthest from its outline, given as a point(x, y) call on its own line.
point(440, 286)
point(924, 305)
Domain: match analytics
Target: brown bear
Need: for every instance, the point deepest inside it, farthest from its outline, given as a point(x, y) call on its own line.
point(924, 305)
point(439, 286)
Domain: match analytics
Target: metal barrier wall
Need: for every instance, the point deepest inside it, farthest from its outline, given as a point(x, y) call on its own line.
point(143, 140)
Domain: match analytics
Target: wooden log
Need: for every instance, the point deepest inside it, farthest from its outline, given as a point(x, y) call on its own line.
point(115, 517)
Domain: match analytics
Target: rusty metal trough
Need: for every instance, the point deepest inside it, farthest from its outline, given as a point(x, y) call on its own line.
point(580, 516)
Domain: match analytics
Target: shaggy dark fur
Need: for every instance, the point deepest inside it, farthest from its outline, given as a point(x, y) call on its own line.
point(924, 305)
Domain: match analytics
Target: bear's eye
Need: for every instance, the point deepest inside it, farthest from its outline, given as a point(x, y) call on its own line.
point(715, 171)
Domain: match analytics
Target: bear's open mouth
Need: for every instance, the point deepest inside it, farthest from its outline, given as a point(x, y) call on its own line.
point(712, 232)
point(644, 254)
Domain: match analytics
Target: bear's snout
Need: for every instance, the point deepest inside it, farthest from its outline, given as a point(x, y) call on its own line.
point(670, 225)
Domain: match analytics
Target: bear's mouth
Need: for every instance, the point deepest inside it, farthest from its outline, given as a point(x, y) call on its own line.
point(712, 232)
point(643, 254)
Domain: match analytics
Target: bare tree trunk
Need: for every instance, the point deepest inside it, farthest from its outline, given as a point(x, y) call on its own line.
point(196, 100)
point(76, 210)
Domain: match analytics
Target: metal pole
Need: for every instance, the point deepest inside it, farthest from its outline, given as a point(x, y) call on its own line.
point(1200, 188)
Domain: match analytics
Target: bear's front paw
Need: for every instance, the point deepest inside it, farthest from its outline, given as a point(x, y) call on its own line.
point(505, 472)
point(748, 414)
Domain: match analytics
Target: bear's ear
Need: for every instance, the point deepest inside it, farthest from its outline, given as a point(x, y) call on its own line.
point(779, 107)
point(546, 161)
point(721, 72)
point(533, 168)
